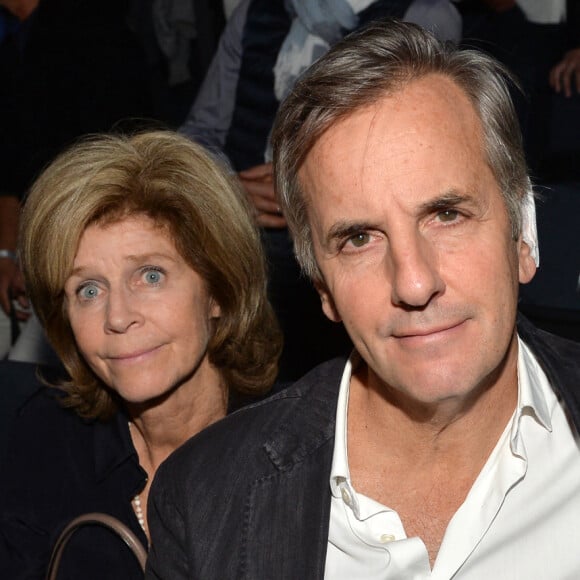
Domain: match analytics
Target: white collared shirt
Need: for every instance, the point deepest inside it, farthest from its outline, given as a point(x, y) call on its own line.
point(519, 521)
point(541, 11)
point(544, 11)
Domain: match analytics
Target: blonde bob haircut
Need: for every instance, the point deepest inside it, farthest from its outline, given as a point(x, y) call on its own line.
point(173, 181)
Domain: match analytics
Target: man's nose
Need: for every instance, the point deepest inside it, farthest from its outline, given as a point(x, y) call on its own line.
point(415, 271)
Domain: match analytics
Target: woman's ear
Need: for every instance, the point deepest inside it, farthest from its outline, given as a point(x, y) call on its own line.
point(215, 310)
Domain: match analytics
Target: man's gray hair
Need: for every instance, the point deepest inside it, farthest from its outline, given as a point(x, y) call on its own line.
point(361, 70)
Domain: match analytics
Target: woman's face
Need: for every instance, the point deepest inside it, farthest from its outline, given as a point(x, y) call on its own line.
point(140, 314)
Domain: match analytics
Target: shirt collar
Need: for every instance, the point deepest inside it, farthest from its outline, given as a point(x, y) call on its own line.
point(536, 397)
point(339, 472)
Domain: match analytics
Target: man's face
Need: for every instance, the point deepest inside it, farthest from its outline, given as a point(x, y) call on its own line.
point(414, 243)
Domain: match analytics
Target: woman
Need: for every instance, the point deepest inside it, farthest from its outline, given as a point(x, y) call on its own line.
point(146, 272)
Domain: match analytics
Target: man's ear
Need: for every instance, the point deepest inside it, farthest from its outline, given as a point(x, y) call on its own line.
point(328, 306)
point(527, 265)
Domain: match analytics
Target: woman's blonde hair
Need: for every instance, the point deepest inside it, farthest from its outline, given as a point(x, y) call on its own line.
point(178, 185)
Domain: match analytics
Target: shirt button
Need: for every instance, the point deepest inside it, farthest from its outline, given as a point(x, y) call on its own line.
point(386, 538)
point(345, 496)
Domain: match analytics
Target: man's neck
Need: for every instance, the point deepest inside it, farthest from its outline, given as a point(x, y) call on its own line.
point(403, 456)
point(465, 422)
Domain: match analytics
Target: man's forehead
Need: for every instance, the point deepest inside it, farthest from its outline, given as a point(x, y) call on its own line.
point(432, 109)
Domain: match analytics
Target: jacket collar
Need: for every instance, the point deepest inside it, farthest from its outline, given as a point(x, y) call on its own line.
point(112, 445)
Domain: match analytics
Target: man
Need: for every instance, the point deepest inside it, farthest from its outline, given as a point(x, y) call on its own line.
point(447, 445)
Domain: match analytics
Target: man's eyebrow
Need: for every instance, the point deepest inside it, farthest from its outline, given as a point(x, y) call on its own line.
point(447, 200)
point(345, 229)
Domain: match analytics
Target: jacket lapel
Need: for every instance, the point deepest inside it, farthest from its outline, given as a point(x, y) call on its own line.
point(287, 513)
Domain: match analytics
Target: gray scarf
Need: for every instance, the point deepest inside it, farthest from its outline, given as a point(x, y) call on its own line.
point(316, 25)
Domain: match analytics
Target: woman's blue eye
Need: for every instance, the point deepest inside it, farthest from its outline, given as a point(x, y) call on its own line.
point(153, 277)
point(88, 291)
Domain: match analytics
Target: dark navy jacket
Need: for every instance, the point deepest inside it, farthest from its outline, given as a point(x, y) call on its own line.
point(249, 498)
point(267, 23)
point(56, 467)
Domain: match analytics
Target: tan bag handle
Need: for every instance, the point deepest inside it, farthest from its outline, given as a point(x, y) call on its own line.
point(105, 520)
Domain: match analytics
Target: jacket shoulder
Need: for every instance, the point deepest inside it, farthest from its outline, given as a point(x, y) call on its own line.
point(219, 490)
point(269, 435)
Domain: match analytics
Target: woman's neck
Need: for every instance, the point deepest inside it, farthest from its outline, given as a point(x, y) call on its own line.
point(160, 427)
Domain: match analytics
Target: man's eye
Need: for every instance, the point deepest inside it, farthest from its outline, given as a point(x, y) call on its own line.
point(359, 240)
point(152, 276)
point(88, 291)
point(448, 215)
